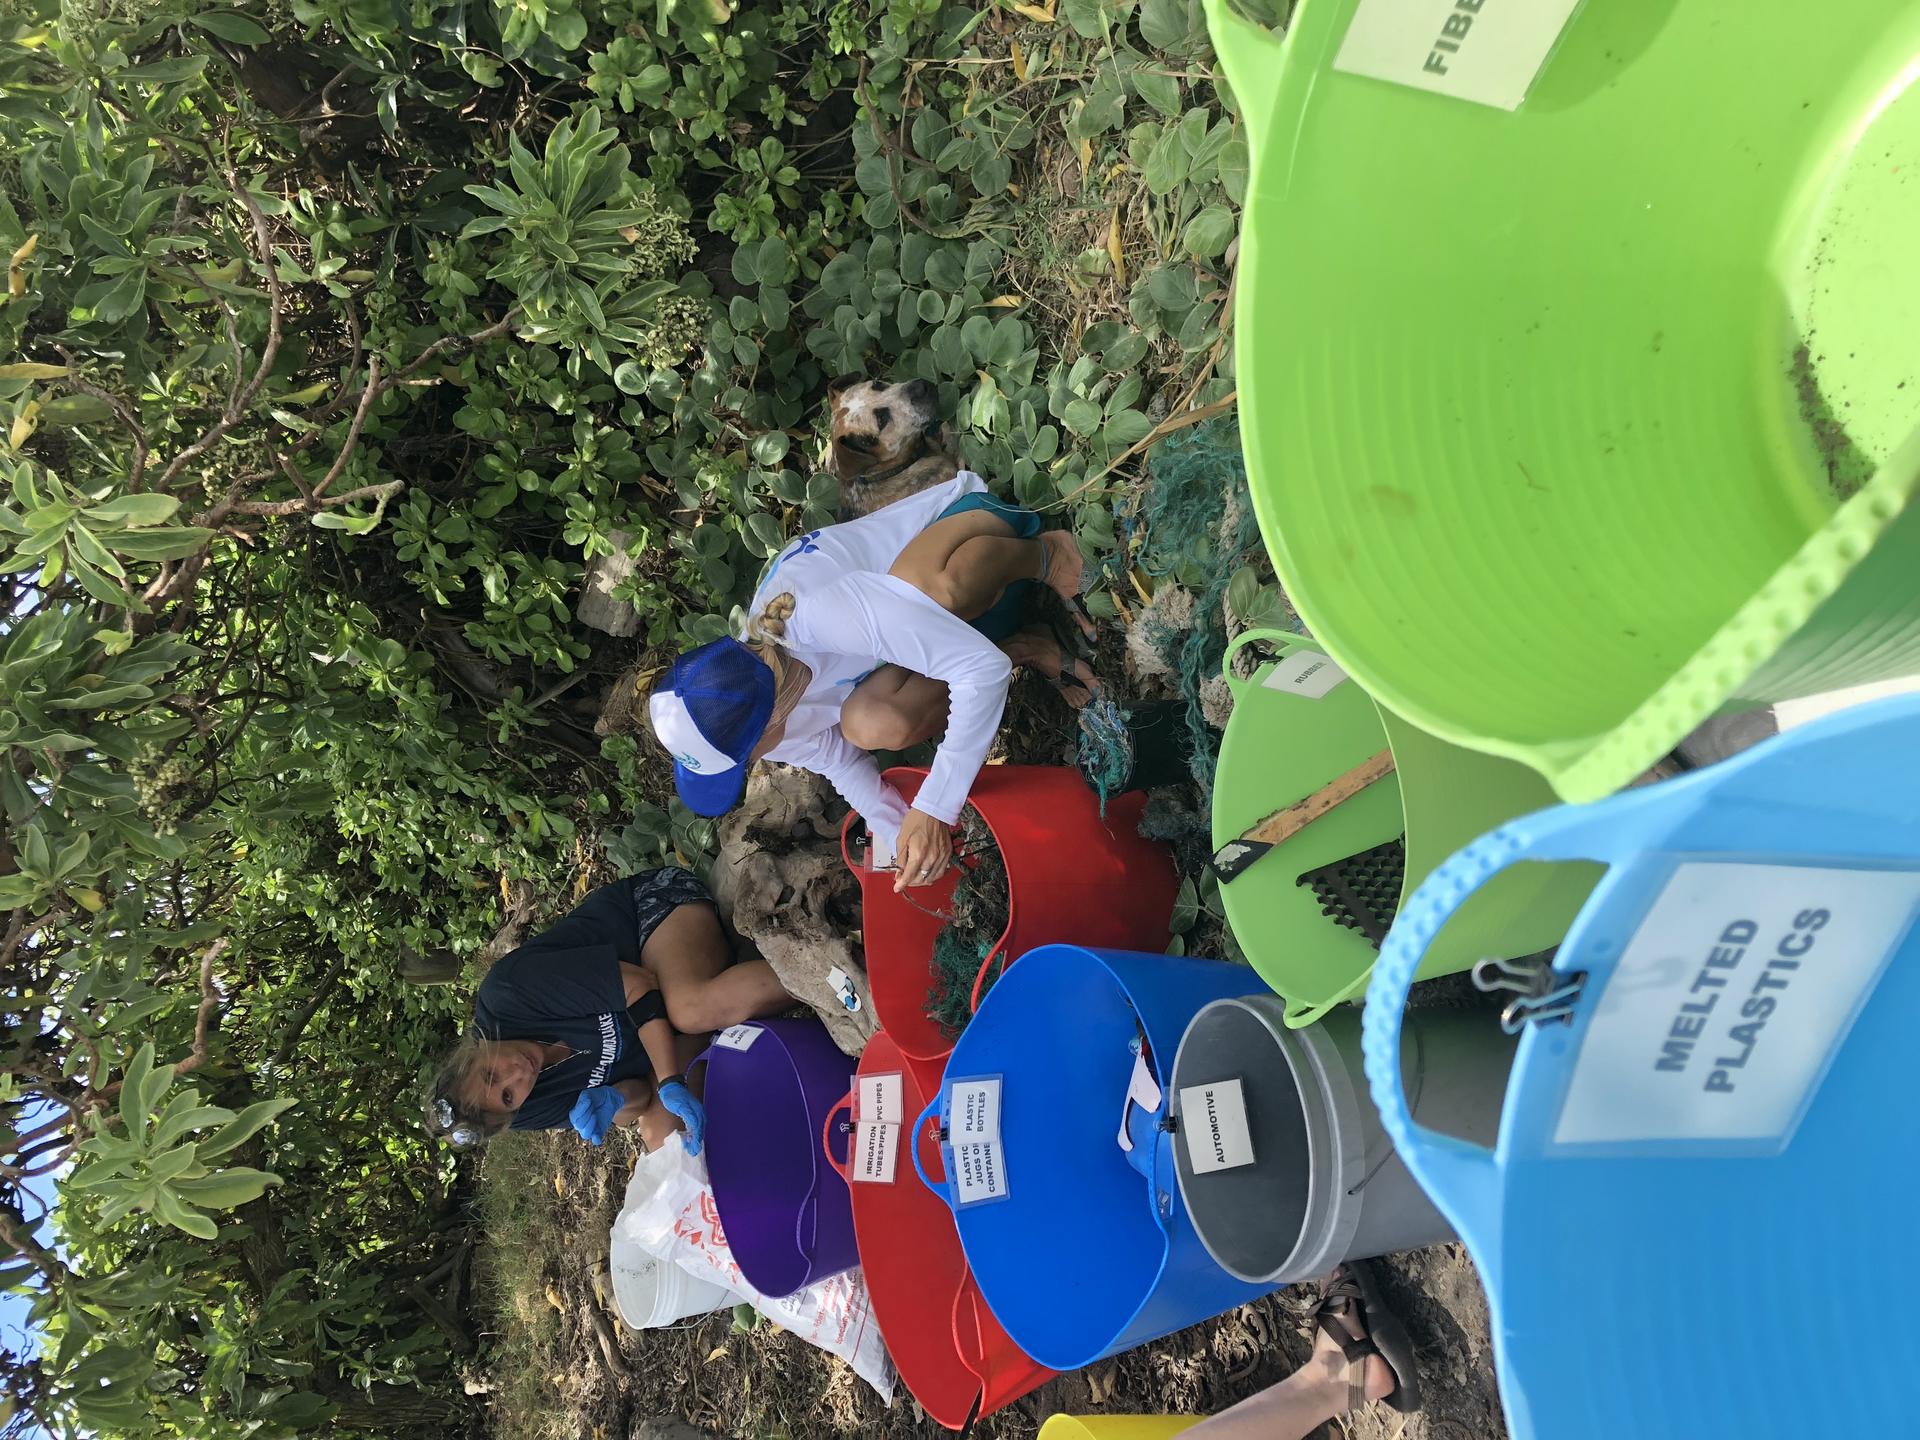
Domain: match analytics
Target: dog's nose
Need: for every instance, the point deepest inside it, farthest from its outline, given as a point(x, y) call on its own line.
point(922, 392)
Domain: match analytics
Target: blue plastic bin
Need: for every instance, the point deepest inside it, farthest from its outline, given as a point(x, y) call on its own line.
point(1089, 1252)
point(1698, 1217)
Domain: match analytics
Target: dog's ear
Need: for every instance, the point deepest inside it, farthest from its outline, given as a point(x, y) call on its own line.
point(841, 383)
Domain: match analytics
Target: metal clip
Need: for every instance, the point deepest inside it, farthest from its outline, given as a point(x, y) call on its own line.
point(1543, 996)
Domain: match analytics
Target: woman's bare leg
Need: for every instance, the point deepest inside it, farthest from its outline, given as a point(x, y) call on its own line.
point(688, 952)
point(965, 562)
point(1311, 1396)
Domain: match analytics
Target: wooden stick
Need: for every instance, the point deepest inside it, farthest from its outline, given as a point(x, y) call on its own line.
point(1283, 824)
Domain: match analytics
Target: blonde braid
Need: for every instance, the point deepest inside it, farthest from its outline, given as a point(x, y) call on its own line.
point(767, 632)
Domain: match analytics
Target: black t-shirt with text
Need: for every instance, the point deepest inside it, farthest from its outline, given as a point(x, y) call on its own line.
point(564, 985)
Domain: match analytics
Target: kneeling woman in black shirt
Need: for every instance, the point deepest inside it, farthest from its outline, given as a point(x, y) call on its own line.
point(594, 1020)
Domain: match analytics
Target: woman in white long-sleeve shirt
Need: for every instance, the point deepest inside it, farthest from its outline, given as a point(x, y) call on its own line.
point(875, 634)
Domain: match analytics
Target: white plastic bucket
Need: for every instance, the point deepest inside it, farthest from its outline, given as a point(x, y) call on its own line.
point(650, 1293)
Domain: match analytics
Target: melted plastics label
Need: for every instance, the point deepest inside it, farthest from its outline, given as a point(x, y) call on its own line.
point(1720, 1019)
point(1304, 672)
point(1486, 51)
point(1214, 1120)
point(973, 1129)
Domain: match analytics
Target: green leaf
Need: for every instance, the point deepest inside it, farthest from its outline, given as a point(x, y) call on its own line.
point(1159, 89)
point(769, 449)
point(169, 544)
point(75, 410)
point(32, 370)
point(183, 1216)
point(931, 307)
point(226, 1189)
point(138, 510)
point(243, 1128)
point(1164, 23)
point(1242, 591)
point(1082, 417)
point(133, 1107)
point(230, 25)
point(631, 378)
point(1210, 232)
point(1186, 908)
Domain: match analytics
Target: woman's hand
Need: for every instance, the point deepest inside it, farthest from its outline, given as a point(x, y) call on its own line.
point(924, 851)
point(593, 1112)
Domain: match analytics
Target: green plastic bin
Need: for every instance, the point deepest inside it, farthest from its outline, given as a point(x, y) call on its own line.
point(1281, 746)
point(1571, 424)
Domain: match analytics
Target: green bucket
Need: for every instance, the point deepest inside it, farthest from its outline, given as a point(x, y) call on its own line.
point(1283, 744)
point(1570, 424)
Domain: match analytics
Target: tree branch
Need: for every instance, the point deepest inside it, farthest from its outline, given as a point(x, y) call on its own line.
point(209, 998)
point(306, 505)
point(367, 397)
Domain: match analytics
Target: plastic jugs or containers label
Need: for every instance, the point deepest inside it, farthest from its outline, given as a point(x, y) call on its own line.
point(1729, 1001)
point(1468, 49)
point(973, 1130)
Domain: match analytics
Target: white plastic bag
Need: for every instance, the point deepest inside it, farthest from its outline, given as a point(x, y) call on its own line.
point(669, 1213)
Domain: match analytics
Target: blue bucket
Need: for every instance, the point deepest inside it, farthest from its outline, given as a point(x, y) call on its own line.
point(1081, 1247)
point(1698, 1216)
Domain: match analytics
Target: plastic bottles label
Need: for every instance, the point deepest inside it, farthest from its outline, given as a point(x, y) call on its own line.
point(979, 1169)
point(1214, 1120)
point(1729, 1002)
point(1304, 672)
point(1486, 51)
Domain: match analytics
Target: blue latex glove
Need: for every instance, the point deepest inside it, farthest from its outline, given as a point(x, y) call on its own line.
point(680, 1102)
point(593, 1112)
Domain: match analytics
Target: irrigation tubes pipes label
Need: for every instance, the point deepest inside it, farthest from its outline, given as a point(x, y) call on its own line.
point(737, 1037)
point(879, 1112)
point(1733, 995)
point(1214, 1120)
point(973, 1130)
point(1304, 672)
point(1486, 51)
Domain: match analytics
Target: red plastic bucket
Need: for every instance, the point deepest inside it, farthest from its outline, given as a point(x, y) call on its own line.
point(1074, 876)
point(950, 1351)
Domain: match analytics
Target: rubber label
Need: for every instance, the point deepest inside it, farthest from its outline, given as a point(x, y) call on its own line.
point(1486, 51)
point(1304, 672)
point(1730, 1001)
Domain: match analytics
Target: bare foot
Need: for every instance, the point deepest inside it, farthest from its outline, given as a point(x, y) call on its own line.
point(1040, 650)
point(1064, 569)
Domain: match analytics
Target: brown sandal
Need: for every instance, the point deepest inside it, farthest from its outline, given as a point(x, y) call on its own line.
point(1353, 1294)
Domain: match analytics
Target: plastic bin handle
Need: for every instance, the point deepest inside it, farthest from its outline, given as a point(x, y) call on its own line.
point(1286, 640)
point(844, 1105)
point(1250, 54)
point(1460, 1176)
point(938, 1187)
point(980, 975)
point(969, 1335)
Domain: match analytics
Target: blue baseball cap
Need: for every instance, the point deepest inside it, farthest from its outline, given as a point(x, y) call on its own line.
point(710, 711)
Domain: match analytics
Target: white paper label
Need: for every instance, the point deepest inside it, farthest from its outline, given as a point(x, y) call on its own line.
point(737, 1037)
point(1142, 1090)
point(876, 1151)
point(973, 1111)
point(879, 1097)
point(1214, 1120)
point(1727, 1004)
point(1486, 51)
point(879, 852)
point(1304, 672)
point(979, 1172)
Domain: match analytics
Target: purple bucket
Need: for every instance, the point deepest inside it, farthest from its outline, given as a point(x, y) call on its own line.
point(787, 1214)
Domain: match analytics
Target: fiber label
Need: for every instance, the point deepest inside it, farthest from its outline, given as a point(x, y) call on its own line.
point(1486, 51)
point(1214, 1120)
point(1304, 672)
point(737, 1037)
point(1730, 1000)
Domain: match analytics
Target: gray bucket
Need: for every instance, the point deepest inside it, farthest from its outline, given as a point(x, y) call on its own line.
point(1323, 1184)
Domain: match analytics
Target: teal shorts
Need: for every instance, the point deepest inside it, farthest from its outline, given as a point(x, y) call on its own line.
point(1004, 618)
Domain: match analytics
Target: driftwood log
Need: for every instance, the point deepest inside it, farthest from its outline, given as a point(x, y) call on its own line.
point(780, 877)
